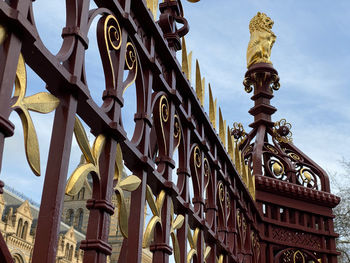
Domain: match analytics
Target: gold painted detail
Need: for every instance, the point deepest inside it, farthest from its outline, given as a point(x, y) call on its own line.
point(255, 245)
point(212, 108)
point(271, 149)
point(261, 40)
point(294, 156)
point(207, 173)
point(236, 137)
point(42, 102)
point(3, 34)
point(177, 130)
point(222, 128)
point(200, 84)
point(207, 251)
point(156, 206)
point(153, 6)
point(129, 184)
point(131, 64)
point(186, 60)
point(91, 155)
point(113, 41)
point(281, 131)
point(175, 224)
point(197, 157)
point(277, 169)
point(220, 259)
point(192, 240)
point(298, 257)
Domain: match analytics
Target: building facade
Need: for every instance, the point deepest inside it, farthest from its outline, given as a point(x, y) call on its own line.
point(18, 224)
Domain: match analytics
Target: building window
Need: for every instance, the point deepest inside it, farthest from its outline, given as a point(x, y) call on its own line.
point(24, 230)
point(80, 219)
point(17, 258)
point(19, 227)
point(70, 252)
point(81, 194)
point(66, 253)
point(70, 217)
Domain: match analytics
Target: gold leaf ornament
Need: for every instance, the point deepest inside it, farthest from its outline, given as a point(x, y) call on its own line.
point(156, 208)
point(192, 240)
point(42, 102)
point(130, 183)
point(206, 253)
point(176, 224)
point(92, 155)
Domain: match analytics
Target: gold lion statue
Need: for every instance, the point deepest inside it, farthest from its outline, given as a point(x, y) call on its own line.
point(261, 40)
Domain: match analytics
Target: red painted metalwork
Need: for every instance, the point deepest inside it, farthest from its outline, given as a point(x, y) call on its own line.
point(291, 219)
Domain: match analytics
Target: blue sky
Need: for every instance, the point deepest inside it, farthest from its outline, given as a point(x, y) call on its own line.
point(311, 54)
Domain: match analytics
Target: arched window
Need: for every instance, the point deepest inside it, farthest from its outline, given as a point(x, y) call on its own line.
point(70, 253)
point(24, 230)
point(66, 253)
point(19, 227)
point(82, 194)
point(70, 217)
point(17, 258)
point(80, 219)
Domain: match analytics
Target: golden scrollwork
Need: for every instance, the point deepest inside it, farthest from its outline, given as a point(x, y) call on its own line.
point(294, 156)
point(177, 128)
point(113, 40)
point(239, 218)
point(91, 154)
point(197, 156)
point(156, 206)
point(129, 184)
point(297, 256)
point(221, 190)
point(306, 175)
point(206, 172)
point(164, 108)
point(281, 131)
point(238, 131)
point(164, 116)
point(131, 65)
point(261, 40)
point(192, 240)
point(228, 205)
point(42, 102)
point(271, 149)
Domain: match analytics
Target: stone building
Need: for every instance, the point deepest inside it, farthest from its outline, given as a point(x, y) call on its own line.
point(76, 214)
point(18, 223)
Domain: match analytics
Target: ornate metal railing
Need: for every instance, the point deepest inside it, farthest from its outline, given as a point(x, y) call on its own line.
point(219, 224)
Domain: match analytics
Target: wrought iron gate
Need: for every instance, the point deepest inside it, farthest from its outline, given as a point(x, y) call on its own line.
point(223, 222)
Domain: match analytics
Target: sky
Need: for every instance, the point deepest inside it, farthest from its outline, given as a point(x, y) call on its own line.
point(311, 54)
